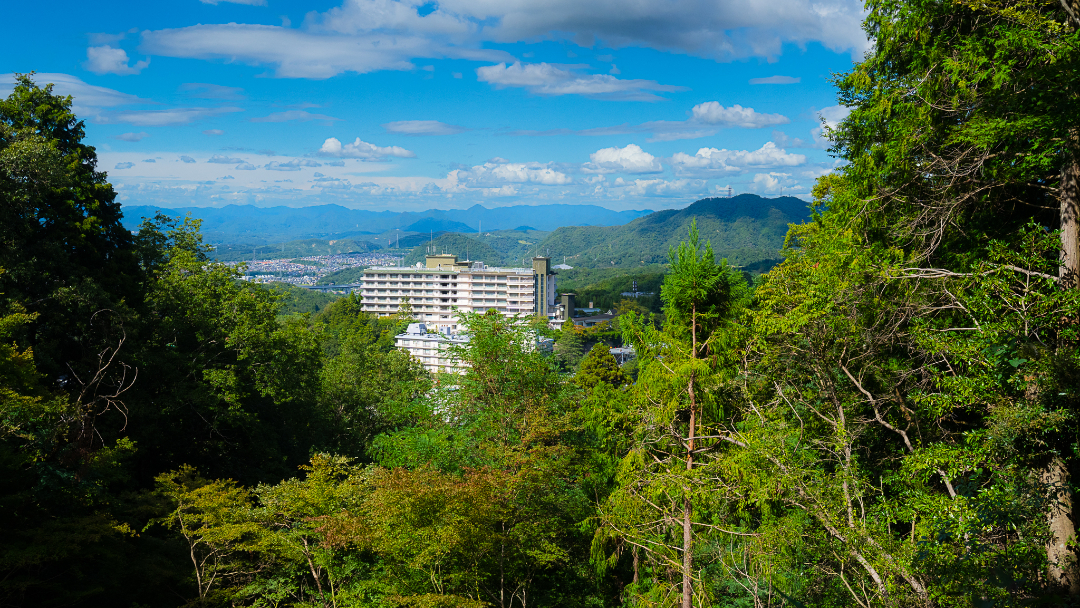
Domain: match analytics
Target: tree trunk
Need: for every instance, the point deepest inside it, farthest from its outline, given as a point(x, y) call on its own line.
point(688, 557)
point(688, 512)
point(1063, 567)
point(1063, 571)
point(502, 568)
point(688, 507)
point(1069, 199)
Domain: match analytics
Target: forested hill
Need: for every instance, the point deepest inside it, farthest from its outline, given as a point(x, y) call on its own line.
point(465, 247)
point(747, 229)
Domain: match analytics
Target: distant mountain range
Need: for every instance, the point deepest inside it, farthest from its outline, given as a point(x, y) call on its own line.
point(263, 225)
point(747, 230)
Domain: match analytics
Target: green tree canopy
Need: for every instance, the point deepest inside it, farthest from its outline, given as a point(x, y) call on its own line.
point(599, 366)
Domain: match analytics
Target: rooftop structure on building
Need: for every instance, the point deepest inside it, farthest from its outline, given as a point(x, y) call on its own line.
point(442, 288)
point(594, 320)
point(623, 354)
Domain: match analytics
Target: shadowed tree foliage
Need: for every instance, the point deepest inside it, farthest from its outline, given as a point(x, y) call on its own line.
point(65, 254)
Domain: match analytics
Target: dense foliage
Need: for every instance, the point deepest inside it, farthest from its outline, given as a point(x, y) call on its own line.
point(886, 418)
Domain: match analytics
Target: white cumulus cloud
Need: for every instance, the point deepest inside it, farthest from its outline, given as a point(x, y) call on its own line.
point(712, 113)
point(630, 159)
point(659, 187)
point(714, 162)
point(361, 149)
point(706, 120)
point(773, 181)
point(108, 60)
point(496, 175)
point(832, 115)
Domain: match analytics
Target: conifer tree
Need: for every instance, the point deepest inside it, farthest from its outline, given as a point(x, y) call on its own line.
point(679, 398)
point(599, 366)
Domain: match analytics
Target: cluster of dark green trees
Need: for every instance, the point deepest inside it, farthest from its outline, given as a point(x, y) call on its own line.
point(887, 418)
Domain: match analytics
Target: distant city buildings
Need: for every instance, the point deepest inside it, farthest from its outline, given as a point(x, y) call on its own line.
point(438, 291)
point(306, 271)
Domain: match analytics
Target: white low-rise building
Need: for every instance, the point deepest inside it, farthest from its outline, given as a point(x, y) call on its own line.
point(445, 287)
point(431, 349)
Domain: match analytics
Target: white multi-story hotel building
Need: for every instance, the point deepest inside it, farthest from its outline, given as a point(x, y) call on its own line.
point(446, 286)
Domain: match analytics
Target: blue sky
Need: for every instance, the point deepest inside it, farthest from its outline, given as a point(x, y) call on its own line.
point(409, 105)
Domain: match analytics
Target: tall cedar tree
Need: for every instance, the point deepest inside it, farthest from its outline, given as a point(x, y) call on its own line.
point(678, 397)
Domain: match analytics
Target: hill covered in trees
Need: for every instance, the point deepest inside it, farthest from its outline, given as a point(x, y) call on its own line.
point(465, 247)
point(747, 230)
point(291, 249)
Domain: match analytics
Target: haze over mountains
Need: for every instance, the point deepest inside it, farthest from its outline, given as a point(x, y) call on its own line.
point(264, 225)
